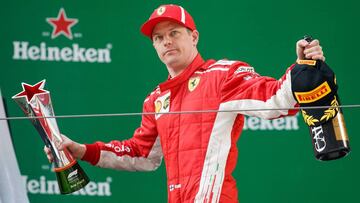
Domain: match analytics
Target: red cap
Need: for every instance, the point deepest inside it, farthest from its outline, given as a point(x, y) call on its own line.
point(169, 12)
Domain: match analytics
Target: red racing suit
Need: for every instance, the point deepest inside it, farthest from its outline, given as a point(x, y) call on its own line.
point(199, 148)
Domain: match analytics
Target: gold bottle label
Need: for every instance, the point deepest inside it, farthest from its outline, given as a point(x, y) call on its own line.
point(339, 127)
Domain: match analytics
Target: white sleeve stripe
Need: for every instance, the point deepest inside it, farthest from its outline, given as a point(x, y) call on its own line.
point(282, 99)
point(213, 69)
point(213, 171)
point(222, 62)
point(109, 159)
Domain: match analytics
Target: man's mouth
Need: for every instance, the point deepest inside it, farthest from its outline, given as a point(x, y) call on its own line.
point(169, 51)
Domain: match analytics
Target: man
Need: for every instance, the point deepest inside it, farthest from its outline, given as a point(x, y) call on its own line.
point(199, 149)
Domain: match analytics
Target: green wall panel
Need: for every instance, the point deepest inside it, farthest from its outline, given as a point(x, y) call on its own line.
point(274, 165)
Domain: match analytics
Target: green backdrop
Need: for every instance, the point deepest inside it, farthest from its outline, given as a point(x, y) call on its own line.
point(276, 164)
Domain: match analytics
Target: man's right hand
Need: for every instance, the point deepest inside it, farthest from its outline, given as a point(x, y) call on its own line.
point(76, 150)
point(309, 50)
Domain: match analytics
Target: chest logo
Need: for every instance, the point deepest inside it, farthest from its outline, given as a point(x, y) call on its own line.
point(166, 102)
point(158, 106)
point(193, 83)
point(162, 105)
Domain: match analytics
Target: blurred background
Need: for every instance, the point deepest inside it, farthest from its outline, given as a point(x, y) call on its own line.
point(119, 68)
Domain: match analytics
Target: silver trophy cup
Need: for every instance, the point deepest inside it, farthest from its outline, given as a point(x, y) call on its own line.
point(36, 104)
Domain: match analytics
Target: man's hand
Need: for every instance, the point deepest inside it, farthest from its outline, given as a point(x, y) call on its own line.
point(76, 150)
point(309, 50)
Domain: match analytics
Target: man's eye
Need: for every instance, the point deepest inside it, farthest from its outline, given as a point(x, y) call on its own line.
point(157, 38)
point(174, 33)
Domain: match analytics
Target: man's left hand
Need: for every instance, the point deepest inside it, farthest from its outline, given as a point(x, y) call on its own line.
point(309, 50)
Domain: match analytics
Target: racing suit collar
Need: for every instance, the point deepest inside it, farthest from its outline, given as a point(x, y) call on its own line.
point(184, 76)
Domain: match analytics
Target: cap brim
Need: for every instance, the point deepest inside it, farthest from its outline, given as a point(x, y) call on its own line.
point(148, 27)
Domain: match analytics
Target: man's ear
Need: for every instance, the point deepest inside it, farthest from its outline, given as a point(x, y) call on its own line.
point(195, 37)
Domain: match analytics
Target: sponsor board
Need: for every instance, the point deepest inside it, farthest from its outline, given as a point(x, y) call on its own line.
point(23, 50)
point(42, 185)
point(62, 26)
point(284, 123)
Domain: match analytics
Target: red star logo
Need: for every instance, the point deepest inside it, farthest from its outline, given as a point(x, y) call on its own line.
point(62, 24)
point(29, 91)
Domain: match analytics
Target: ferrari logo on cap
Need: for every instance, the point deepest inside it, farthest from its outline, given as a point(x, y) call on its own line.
point(161, 10)
point(193, 83)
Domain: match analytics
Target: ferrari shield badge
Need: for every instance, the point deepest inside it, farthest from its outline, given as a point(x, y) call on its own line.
point(193, 83)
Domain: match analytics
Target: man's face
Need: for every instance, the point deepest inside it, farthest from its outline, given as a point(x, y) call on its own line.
point(174, 44)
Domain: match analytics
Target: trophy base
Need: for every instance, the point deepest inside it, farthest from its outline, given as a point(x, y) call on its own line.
point(71, 178)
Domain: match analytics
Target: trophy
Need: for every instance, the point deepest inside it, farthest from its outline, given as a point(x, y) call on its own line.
point(36, 104)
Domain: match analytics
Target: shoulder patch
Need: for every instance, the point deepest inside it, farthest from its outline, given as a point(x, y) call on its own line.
point(241, 69)
point(155, 91)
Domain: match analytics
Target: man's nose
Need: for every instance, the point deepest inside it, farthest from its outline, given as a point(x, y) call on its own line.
point(167, 40)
